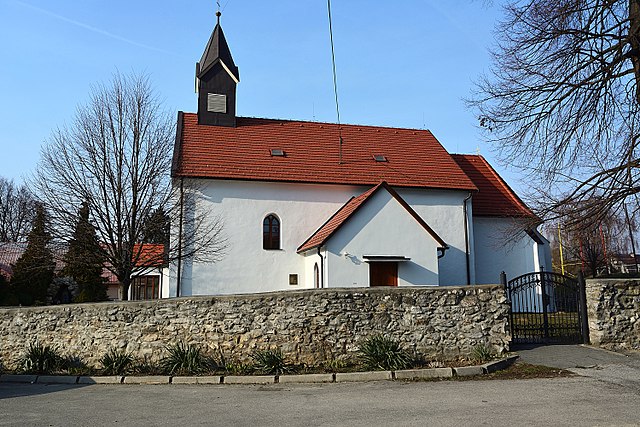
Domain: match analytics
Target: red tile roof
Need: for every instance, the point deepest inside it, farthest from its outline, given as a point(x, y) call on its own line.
point(342, 215)
point(494, 196)
point(415, 157)
point(150, 255)
point(11, 251)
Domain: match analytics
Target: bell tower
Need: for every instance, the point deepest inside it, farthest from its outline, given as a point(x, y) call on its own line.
point(216, 80)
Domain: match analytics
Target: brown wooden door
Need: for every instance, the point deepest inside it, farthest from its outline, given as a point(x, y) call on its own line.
point(383, 274)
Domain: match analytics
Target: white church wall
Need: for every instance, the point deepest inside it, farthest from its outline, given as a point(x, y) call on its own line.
point(242, 206)
point(382, 227)
point(443, 211)
point(302, 209)
point(502, 245)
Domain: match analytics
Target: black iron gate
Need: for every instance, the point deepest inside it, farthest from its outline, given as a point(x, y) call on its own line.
point(547, 308)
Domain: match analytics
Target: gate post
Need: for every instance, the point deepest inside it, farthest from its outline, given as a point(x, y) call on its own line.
point(545, 299)
point(582, 308)
point(507, 292)
point(503, 282)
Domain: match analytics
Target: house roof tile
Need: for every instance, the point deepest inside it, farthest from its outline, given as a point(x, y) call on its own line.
point(415, 158)
point(494, 196)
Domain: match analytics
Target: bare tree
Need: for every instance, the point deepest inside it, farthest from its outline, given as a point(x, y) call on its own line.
point(116, 157)
point(562, 101)
point(588, 245)
point(17, 208)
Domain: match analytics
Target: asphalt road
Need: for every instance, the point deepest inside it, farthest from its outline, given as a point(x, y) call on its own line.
point(561, 401)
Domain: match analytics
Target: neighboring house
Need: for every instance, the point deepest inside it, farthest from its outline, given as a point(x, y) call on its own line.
point(624, 263)
point(308, 204)
point(148, 282)
point(11, 251)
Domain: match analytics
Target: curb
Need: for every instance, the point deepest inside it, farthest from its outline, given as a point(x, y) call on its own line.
point(249, 379)
point(101, 380)
point(215, 379)
point(412, 374)
point(340, 377)
point(28, 379)
point(364, 376)
point(147, 380)
point(57, 379)
point(306, 378)
point(499, 365)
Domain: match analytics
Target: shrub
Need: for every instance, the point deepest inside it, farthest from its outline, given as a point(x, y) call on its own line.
point(186, 359)
point(378, 352)
point(482, 353)
point(270, 362)
point(116, 362)
point(41, 360)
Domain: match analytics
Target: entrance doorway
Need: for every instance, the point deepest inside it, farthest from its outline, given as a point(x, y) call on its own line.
point(383, 274)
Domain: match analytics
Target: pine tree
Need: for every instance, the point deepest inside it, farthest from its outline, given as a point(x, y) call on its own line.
point(33, 271)
point(156, 228)
point(83, 262)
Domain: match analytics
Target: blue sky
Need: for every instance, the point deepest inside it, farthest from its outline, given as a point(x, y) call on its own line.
point(403, 64)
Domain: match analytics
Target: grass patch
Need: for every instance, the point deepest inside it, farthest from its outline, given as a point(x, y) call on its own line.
point(517, 371)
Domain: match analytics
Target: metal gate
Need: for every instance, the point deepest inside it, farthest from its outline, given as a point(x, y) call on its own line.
point(547, 308)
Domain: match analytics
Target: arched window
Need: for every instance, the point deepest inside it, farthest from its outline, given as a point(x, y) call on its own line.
point(271, 232)
point(316, 276)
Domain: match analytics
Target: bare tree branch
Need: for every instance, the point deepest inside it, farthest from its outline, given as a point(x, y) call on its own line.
point(116, 156)
point(562, 100)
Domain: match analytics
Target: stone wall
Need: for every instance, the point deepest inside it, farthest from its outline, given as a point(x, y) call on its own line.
point(613, 308)
point(309, 326)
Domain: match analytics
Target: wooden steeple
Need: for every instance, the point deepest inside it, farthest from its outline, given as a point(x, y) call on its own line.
point(217, 77)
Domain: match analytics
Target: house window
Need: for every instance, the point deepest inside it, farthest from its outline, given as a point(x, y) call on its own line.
point(146, 287)
point(271, 232)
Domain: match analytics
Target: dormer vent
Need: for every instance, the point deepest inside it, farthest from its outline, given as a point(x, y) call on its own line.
point(216, 103)
point(277, 152)
point(379, 158)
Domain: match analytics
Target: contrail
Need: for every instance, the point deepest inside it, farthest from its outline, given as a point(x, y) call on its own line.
point(91, 28)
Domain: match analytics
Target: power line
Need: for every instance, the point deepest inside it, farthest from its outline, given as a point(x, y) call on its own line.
point(335, 79)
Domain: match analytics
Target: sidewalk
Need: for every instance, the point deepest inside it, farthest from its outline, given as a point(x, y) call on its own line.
point(603, 365)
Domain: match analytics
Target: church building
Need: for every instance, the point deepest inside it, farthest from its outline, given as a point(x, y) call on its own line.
point(321, 205)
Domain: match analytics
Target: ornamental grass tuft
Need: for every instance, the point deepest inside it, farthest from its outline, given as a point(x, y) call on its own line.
point(186, 359)
point(482, 353)
point(117, 362)
point(42, 360)
point(270, 362)
point(378, 352)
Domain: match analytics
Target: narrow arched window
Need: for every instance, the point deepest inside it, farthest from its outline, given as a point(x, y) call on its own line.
point(271, 232)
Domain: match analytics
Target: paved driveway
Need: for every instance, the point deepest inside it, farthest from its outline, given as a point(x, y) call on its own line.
point(607, 366)
point(560, 401)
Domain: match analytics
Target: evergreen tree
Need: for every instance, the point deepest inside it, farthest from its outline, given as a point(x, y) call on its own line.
point(83, 261)
point(4, 291)
point(33, 271)
point(156, 228)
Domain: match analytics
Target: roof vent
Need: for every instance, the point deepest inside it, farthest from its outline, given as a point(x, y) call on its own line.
point(277, 152)
point(380, 158)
